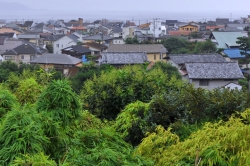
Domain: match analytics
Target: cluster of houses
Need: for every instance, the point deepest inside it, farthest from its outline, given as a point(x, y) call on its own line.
point(66, 45)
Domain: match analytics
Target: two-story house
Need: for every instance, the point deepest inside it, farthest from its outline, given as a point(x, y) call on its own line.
point(23, 53)
point(59, 42)
point(207, 71)
point(66, 64)
point(155, 52)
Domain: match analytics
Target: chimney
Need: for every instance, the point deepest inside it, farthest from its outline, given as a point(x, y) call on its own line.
point(80, 22)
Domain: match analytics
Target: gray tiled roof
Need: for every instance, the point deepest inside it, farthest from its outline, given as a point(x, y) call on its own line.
point(7, 34)
point(124, 57)
point(56, 59)
point(54, 37)
point(223, 70)
point(28, 23)
point(78, 49)
point(73, 37)
point(28, 36)
point(171, 22)
point(98, 37)
point(186, 58)
point(117, 30)
point(25, 49)
point(222, 21)
point(148, 48)
point(2, 39)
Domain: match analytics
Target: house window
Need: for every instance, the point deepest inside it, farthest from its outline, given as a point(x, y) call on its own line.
point(32, 57)
point(62, 45)
point(22, 56)
point(204, 82)
point(160, 56)
point(154, 57)
point(57, 45)
point(9, 58)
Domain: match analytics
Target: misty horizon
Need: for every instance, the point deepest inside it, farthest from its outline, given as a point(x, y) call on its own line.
point(195, 10)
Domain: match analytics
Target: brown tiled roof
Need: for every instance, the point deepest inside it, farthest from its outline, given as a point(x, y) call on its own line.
point(179, 33)
point(8, 30)
point(144, 25)
point(95, 45)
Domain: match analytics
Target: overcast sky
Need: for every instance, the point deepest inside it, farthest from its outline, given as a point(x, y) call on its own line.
point(140, 5)
point(141, 10)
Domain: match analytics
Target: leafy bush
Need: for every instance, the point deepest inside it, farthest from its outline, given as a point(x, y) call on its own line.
point(21, 133)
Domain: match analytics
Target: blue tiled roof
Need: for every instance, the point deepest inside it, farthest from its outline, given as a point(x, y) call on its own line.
point(234, 53)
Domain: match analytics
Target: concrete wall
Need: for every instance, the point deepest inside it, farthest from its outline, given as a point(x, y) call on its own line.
point(212, 83)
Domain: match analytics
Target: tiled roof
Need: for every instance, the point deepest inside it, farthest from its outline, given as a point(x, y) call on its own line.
point(186, 58)
point(2, 39)
point(98, 37)
point(223, 70)
point(171, 22)
point(25, 49)
point(10, 35)
point(178, 33)
point(148, 48)
point(78, 49)
point(8, 30)
point(145, 25)
point(54, 37)
point(56, 59)
point(123, 57)
point(73, 37)
point(96, 45)
point(28, 36)
point(78, 28)
point(28, 23)
point(222, 21)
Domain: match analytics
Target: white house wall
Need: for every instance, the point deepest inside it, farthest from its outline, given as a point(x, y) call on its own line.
point(212, 83)
point(62, 43)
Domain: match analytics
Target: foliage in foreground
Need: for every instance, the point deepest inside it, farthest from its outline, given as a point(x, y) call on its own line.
point(106, 95)
point(221, 143)
point(21, 133)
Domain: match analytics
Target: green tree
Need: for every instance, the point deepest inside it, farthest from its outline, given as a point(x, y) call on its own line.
point(86, 72)
point(195, 35)
point(60, 102)
point(39, 159)
point(244, 43)
point(28, 91)
point(6, 68)
point(21, 133)
point(49, 48)
point(205, 47)
point(132, 123)
point(7, 101)
point(221, 143)
point(96, 143)
point(131, 40)
point(167, 68)
point(174, 45)
point(106, 95)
